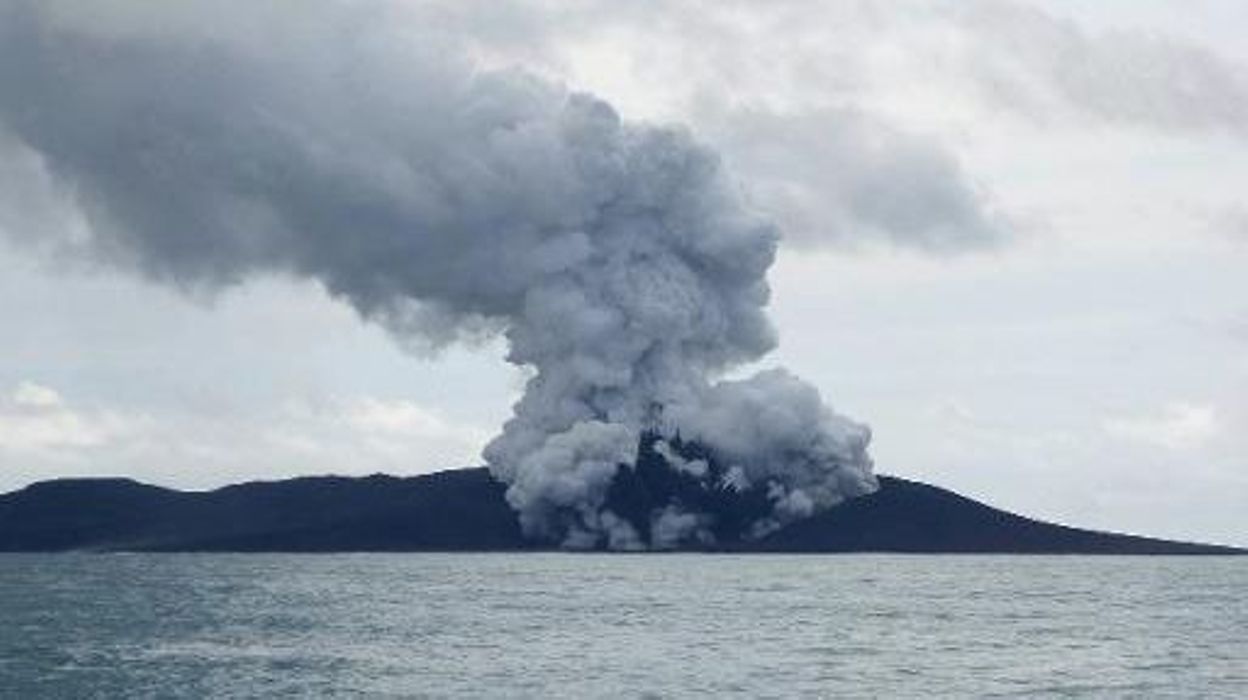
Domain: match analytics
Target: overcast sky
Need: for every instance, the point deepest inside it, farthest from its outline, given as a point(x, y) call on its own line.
point(1015, 245)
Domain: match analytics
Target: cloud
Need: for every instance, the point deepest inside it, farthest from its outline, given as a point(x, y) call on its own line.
point(33, 212)
point(367, 153)
point(777, 88)
point(1178, 426)
point(1239, 326)
point(833, 172)
point(845, 178)
point(786, 92)
point(402, 418)
point(857, 123)
point(376, 434)
point(1232, 223)
point(35, 397)
point(34, 420)
point(1042, 66)
point(42, 435)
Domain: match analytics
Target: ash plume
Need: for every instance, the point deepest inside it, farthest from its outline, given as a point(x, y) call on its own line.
point(443, 201)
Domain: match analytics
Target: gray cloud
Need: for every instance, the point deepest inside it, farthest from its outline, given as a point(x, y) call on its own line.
point(1232, 223)
point(843, 177)
point(362, 151)
point(1239, 326)
point(833, 173)
point(1039, 64)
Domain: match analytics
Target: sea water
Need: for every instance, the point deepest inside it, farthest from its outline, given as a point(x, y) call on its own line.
point(567, 625)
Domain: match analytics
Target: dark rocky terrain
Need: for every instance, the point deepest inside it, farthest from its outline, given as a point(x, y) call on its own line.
point(464, 510)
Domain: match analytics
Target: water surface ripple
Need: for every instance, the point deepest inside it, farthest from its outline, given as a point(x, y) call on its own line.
point(543, 625)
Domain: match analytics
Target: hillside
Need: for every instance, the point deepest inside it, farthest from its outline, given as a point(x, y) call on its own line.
point(464, 510)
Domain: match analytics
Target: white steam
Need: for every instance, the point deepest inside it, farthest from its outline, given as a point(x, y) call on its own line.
point(617, 258)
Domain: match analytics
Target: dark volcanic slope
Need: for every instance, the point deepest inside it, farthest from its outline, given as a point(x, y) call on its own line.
point(453, 510)
point(908, 516)
point(464, 510)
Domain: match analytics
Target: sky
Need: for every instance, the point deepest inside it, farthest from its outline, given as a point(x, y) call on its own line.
point(1014, 243)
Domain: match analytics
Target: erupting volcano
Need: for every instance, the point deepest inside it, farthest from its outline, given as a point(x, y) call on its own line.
point(621, 263)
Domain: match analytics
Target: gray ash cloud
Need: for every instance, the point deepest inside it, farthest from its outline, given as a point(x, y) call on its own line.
point(202, 148)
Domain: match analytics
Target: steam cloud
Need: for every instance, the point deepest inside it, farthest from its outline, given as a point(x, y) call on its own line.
point(617, 258)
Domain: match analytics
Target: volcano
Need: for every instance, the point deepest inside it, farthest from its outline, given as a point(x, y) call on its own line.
point(466, 510)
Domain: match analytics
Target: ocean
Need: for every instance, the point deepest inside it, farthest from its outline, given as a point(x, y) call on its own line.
point(621, 626)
